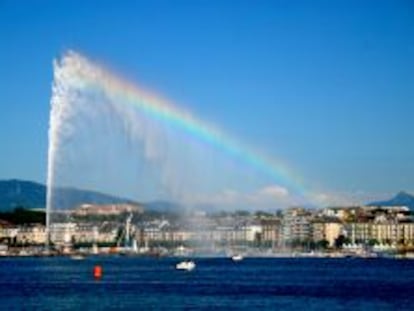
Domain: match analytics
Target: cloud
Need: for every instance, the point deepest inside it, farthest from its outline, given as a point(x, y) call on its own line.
point(273, 191)
point(270, 196)
point(343, 198)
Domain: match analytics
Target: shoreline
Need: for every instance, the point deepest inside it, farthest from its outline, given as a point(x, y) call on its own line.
point(287, 255)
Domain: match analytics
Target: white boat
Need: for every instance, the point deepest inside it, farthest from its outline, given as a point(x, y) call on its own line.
point(237, 257)
point(187, 265)
point(77, 257)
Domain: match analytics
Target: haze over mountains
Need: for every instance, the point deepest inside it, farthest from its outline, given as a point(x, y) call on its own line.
point(19, 193)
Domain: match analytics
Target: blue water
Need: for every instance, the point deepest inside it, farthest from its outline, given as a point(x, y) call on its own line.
point(219, 284)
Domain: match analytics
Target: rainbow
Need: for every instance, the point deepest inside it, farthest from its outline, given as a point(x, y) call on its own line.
point(164, 110)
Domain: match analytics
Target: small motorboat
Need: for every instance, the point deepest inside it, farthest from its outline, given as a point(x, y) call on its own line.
point(187, 265)
point(237, 257)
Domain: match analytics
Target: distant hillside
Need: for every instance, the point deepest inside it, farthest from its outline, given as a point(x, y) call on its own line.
point(18, 193)
point(401, 198)
point(14, 193)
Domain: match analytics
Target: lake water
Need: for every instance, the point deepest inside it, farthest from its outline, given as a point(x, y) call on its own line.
point(219, 284)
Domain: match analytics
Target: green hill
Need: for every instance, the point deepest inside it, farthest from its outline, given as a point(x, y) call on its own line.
point(31, 195)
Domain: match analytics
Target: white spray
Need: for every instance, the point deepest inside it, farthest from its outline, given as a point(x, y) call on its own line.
point(100, 139)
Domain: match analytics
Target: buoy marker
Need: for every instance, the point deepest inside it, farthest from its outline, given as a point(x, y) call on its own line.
point(97, 272)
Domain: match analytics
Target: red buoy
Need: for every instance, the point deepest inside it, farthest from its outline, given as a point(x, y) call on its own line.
point(97, 272)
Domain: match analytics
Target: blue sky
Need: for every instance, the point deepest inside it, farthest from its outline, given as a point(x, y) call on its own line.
point(327, 86)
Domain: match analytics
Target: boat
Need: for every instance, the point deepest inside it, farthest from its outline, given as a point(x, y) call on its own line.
point(237, 257)
point(77, 257)
point(187, 265)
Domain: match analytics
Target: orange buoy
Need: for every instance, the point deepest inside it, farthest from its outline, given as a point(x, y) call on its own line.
point(97, 272)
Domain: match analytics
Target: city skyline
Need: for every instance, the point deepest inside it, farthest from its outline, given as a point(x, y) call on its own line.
point(325, 88)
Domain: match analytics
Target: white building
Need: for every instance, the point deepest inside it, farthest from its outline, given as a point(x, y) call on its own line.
point(62, 234)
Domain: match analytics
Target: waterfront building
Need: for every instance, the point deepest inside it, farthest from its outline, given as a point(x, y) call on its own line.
point(8, 231)
point(296, 225)
point(272, 231)
point(165, 234)
point(62, 234)
point(407, 236)
point(328, 229)
point(340, 213)
point(107, 210)
point(359, 232)
point(394, 233)
point(31, 235)
point(92, 233)
point(253, 233)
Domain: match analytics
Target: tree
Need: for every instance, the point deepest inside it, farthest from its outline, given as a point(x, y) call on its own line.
point(322, 244)
point(340, 241)
point(373, 242)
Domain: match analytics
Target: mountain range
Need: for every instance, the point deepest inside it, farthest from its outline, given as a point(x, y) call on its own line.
point(400, 199)
point(19, 193)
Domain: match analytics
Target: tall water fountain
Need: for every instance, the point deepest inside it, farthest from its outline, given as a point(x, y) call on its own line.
point(108, 135)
